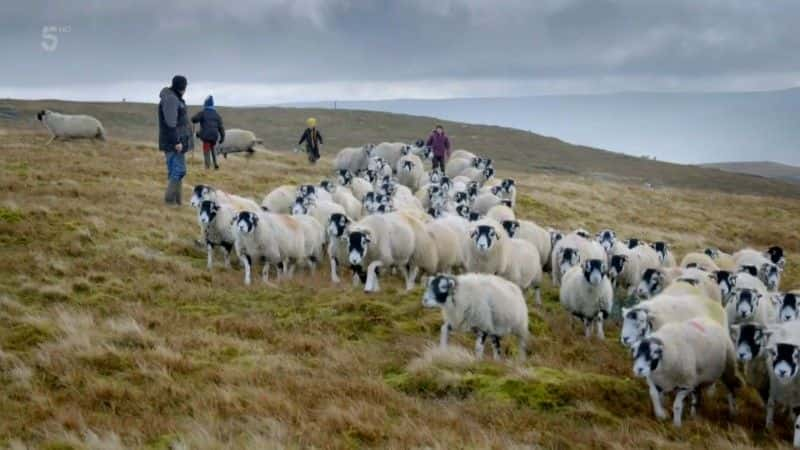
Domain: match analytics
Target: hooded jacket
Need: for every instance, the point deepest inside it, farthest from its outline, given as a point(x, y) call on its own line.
point(173, 122)
point(211, 127)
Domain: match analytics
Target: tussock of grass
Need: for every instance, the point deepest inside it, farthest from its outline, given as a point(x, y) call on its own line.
point(114, 335)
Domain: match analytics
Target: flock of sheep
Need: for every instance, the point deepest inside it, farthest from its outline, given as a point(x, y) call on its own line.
point(712, 317)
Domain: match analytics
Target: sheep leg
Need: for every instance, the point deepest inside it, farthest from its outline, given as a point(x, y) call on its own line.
point(334, 275)
point(538, 293)
point(693, 400)
point(479, 344)
point(770, 409)
point(265, 273)
point(655, 397)
point(246, 265)
point(496, 347)
point(677, 407)
point(587, 328)
point(444, 334)
point(289, 267)
point(372, 284)
point(52, 138)
point(227, 255)
point(209, 256)
point(599, 322)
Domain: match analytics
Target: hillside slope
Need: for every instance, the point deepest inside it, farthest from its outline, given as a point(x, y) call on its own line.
point(767, 169)
point(114, 335)
point(510, 148)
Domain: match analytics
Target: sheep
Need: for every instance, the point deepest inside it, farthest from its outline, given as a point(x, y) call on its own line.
point(783, 360)
point(768, 271)
point(450, 239)
point(380, 167)
point(703, 280)
point(216, 223)
point(479, 176)
point(392, 239)
point(484, 202)
point(202, 192)
point(502, 212)
point(751, 305)
point(679, 302)
point(523, 266)
point(587, 294)
point(314, 239)
point(686, 357)
point(280, 200)
point(789, 309)
point(460, 161)
point(487, 253)
point(749, 343)
point(725, 280)
point(238, 140)
point(487, 304)
point(533, 233)
point(338, 225)
point(357, 185)
point(401, 196)
point(571, 250)
point(700, 260)
point(411, 172)
point(627, 267)
point(775, 254)
point(654, 281)
point(664, 253)
point(723, 260)
point(71, 126)
point(508, 191)
point(608, 239)
point(311, 191)
point(348, 201)
point(353, 159)
point(271, 238)
point(320, 210)
point(391, 152)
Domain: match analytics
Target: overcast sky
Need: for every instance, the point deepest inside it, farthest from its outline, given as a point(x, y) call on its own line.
point(267, 51)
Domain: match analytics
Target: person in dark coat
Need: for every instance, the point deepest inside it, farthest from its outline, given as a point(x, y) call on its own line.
point(313, 139)
point(174, 136)
point(440, 144)
point(212, 131)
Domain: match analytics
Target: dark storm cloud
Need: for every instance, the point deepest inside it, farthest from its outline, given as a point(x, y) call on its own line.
point(603, 43)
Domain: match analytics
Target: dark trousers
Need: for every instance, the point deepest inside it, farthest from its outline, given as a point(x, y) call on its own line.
point(438, 161)
point(313, 153)
point(209, 154)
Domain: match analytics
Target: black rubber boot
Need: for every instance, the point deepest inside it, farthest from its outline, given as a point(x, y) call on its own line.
point(170, 194)
point(214, 158)
point(178, 192)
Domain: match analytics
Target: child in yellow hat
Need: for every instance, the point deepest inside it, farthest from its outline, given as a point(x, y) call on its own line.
point(313, 139)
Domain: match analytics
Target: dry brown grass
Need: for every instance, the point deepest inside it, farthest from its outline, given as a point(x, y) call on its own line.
point(113, 334)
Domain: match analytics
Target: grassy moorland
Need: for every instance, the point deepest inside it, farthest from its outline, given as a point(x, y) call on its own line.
point(114, 335)
point(511, 149)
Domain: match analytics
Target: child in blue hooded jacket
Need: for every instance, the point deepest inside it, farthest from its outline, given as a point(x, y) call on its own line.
point(212, 131)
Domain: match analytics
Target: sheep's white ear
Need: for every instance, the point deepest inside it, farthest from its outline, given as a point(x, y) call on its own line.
point(451, 283)
point(776, 299)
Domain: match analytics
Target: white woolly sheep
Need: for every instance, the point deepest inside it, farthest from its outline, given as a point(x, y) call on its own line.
point(388, 240)
point(314, 238)
point(746, 305)
point(459, 161)
point(477, 175)
point(314, 192)
point(71, 126)
point(782, 361)
point(664, 253)
point(202, 192)
point(573, 249)
point(655, 280)
point(411, 172)
point(764, 268)
point(488, 248)
point(391, 152)
point(216, 222)
point(702, 279)
point(271, 238)
point(337, 247)
point(345, 198)
point(501, 213)
point(320, 210)
point(487, 304)
point(700, 261)
point(686, 357)
point(679, 302)
point(450, 239)
point(750, 344)
point(484, 202)
point(628, 265)
point(587, 294)
point(789, 309)
point(723, 260)
point(533, 233)
point(523, 266)
point(353, 159)
point(280, 199)
point(357, 185)
point(237, 140)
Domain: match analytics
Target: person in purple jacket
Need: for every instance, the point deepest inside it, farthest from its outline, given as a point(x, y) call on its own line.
point(440, 144)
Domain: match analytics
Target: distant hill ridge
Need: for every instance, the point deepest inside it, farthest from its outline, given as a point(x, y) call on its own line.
point(512, 149)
